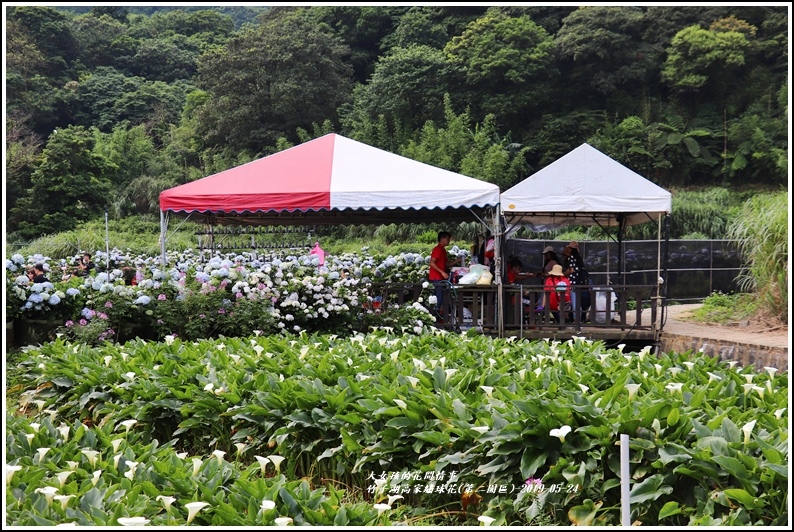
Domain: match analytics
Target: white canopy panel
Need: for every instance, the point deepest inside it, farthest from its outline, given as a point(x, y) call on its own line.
point(584, 187)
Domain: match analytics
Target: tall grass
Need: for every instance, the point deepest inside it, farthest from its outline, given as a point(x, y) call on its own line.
point(762, 231)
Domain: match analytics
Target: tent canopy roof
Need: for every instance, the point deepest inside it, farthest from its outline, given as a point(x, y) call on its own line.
point(331, 180)
point(584, 187)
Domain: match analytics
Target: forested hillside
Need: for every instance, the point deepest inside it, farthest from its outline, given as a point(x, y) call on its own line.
point(108, 106)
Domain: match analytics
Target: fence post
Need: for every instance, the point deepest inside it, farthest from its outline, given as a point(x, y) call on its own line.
point(625, 477)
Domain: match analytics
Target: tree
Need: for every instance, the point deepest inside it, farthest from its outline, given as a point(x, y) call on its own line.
point(95, 36)
point(407, 87)
point(49, 31)
point(23, 149)
point(706, 62)
point(269, 81)
point(602, 48)
point(506, 61)
point(68, 186)
point(417, 26)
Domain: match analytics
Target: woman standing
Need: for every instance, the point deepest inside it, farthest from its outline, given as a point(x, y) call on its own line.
point(578, 275)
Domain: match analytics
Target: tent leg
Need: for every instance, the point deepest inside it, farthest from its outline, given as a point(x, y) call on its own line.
point(163, 231)
point(497, 233)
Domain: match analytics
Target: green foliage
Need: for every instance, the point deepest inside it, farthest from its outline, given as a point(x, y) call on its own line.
point(531, 82)
point(69, 186)
point(269, 417)
point(274, 78)
point(726, 308)
point(762, 230)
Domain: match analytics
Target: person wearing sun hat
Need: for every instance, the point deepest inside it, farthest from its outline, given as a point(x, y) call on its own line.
point(557, 292)
point(549, 261)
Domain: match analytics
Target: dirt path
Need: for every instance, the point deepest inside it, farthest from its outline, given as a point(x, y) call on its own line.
point(745, 333)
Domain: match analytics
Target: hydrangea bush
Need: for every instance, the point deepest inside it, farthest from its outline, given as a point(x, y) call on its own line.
point(201, 295)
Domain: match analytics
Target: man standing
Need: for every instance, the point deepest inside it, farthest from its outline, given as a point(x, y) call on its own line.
point(439, 266)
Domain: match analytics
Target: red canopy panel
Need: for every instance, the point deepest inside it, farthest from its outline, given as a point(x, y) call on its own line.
point(285, 181)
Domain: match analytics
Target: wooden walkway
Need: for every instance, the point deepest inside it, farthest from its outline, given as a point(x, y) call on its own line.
point(632, 320)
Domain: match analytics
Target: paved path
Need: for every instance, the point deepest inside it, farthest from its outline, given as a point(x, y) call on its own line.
point(676, 324)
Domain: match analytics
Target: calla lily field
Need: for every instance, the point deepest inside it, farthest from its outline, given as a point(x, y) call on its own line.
point(376, 423)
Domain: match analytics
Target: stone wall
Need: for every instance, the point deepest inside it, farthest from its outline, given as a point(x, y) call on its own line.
point(745, 354)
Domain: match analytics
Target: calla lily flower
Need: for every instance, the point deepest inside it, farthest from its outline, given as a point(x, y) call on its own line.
point(10, 470)
point(689, 365)
point(90, 456)
point(488, 390)
point(748, 387)
point(42, 452)
point(482, 429)
point(35, 426)
point(413, 380)
point(130, 375)
point(760, 390)
point(584, 388)
point(63, 499)
point(560, 432)
point(193, 508)
point(95, 477)
point(779, 412)
point(64, 430)
point(713, 377)
point(749, 377)
point(747, 428)
point(30, 437)
point(107, 360)
point(169, 339)
point(181, 456)
point(674, 386)
point(116, 443)
point(380, 483)
point(196, 465)
point(771, 371)
point(401, 403)
point(393, 498)
point(128, 424)
point(39, 404)
point(166, 500)
point(240, 448)
point(674, 370)
point(283, 521)
point(219, 455)
point(621, 347)
point(732, 363)
point(632, 389)
point(116, 460)
point(485, 520)
point(132, 521)
point(49, 492)
point(62, 476)
point(268, 505)
point(276, 460)
point(262, 463)
point(380, 507)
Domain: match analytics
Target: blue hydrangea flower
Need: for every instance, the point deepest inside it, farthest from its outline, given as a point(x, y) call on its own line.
point(142, 300)
point(72, 291)
point(54, 299)
point(35, 298)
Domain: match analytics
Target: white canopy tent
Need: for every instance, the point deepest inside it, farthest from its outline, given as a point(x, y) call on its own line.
point(586, 187)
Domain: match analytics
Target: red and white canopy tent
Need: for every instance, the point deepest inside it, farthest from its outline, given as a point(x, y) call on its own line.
point(331, 180)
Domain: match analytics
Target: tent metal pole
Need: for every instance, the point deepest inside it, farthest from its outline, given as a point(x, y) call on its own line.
point(163, 232)
point(497, 249)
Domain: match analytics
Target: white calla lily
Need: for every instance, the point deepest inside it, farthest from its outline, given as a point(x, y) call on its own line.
point(193, 508)
point(560, 432)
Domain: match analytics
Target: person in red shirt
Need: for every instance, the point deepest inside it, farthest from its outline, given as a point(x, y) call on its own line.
point(557, 290)
point(514, 273)
point(439, 266)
